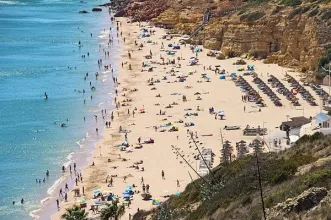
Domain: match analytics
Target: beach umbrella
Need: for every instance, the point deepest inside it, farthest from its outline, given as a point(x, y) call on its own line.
point(126, 195)
point(81, 201)
point(96, 191)
point(221, 112)
point(156, 201)
point(128, 188)
point(177, 193)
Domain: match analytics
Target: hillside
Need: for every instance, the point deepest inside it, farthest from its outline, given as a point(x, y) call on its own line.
point(293, 33)
point(295, 183)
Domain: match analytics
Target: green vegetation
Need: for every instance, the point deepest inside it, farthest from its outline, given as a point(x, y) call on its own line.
point(295, 12)
point(326, 58)
point(233, 192)
point(252, 16)
point(277, 10)
point(74, 213)
point(326, 15)
point(111, 211)
point(305, 9)
point(313, 12)
point(291, 2)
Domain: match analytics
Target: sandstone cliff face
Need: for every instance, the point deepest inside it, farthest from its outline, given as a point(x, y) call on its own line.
point(298, 42)
point(289, 36)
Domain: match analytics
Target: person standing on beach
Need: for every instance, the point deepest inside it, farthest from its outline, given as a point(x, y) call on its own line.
point(178, 183)
point(74, 166)
point(142, 180)
point(162, 174)
point(111, 181)
point(139, 139)
point(244, 108)
point(66, 197)
point(66, 187)
point(57, 204)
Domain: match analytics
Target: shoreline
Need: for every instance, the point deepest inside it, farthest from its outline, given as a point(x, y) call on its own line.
point(160, 156)
point(85, 145)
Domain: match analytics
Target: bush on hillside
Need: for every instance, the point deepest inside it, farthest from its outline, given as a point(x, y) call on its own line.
point(324, 61)
point(295, 12)
point(252, 16)
point(313, 13)
point(291, 2)
point(326, 15)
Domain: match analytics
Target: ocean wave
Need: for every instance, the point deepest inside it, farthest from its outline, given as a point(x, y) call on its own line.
point(51, 189)
point(80, 145)
point(33, 213)
point(11, 3)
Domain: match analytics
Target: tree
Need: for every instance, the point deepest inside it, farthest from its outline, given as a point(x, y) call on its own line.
point(112, 210)
point(75, 213)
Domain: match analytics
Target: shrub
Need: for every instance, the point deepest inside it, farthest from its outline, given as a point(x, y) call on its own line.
point(246, 200)
point(276, 10)
point(326, 15)
point(241, 11)
point(252, 16)
point(313, 13)
point(295, 12)
point(305, 9)
point(318, 178)
point(291, 2)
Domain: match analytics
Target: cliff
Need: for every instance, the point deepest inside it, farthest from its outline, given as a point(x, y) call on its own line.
point(289, 32)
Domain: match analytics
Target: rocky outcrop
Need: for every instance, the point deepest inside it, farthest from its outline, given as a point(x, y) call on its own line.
point(142, 10)
point(97, 9)
point(304, 202)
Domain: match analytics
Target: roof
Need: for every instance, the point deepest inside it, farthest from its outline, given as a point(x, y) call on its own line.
point(296, 122)
point(301, 118)
point(321, 117)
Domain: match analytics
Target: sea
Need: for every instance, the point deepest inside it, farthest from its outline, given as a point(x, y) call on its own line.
point(40, 53)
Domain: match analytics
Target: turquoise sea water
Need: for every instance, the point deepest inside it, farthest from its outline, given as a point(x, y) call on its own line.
point(38, 41)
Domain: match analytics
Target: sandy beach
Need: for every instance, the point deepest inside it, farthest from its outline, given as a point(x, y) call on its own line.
point(165, 95)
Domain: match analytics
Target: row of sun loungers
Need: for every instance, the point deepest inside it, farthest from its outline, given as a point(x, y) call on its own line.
point(266, 90)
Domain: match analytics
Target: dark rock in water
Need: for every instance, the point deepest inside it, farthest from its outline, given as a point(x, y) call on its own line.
point(120, 13)
point(97, 9)
point(83, 12)
point(106, 4)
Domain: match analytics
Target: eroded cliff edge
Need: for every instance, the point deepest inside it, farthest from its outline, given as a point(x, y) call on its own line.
point(289, 32)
